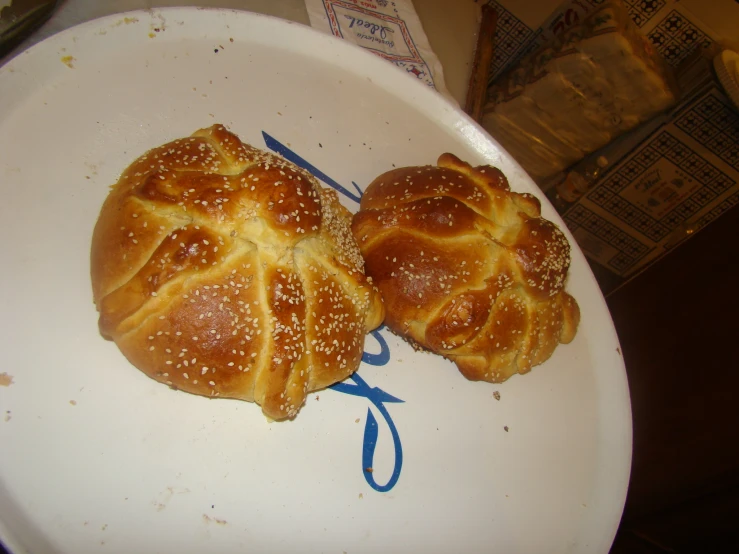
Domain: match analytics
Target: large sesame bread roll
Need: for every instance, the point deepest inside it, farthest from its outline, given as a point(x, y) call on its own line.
point(224, 271)
point(467, 268)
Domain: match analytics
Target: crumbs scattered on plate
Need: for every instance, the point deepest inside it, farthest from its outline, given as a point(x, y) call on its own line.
point(5, 380)
point(208, 519)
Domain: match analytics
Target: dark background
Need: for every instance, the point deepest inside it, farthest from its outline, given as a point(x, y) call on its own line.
point(678, 324)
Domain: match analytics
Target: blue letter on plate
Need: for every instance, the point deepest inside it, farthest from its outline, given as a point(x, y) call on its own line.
point(375, 395)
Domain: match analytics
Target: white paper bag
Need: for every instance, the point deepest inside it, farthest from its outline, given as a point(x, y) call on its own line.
point(389, 28)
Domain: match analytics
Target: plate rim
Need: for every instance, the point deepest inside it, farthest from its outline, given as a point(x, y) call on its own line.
point(472, 131)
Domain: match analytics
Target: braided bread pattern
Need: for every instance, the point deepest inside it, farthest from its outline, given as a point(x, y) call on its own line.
point(221, 270)
point(467, 268)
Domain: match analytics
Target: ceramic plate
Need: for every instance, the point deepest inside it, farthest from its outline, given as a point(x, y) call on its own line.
point(96, 457)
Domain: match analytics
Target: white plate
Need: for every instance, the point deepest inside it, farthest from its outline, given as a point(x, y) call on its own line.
point(727, 70)
point(97, 457)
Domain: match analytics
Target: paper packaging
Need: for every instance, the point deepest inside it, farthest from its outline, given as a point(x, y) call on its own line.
point(592, 77)
point(389, 28)
point(667, 181)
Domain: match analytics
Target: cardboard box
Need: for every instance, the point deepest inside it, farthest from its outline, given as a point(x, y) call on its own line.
point(669, 185)
point(671, 176)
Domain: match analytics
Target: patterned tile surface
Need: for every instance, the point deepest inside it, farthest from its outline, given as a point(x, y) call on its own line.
point(662, 187)
point(666, 185)
point(629, 249)
point(676, 37)
point(716, 126)
point(641, 11)
point(511, 38)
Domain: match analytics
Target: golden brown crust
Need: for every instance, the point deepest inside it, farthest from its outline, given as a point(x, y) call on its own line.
point(222, 270)
point(467, 268)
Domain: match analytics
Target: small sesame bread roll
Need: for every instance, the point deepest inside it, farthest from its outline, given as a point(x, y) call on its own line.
point(221, 270)
point(467, 268)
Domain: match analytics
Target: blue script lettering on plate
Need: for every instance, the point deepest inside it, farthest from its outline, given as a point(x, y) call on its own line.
point(384, 355)
point(378, 397)
point(276, 146)
point(375, 395)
